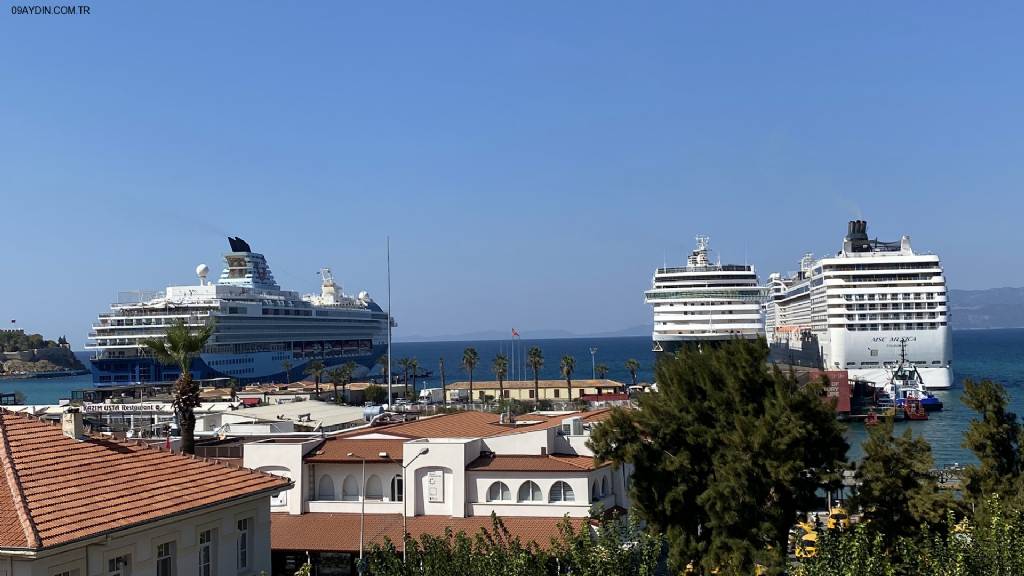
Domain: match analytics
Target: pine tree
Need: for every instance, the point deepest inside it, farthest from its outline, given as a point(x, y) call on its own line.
point(726, 454)
point(996, 440)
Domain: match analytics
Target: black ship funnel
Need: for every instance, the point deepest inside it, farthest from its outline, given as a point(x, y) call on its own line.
point(857, 236)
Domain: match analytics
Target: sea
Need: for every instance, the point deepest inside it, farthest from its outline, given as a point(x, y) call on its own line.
point(977, 354)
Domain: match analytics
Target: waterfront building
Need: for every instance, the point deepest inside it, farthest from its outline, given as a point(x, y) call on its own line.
point(72, 504)
point(262, 333)
point(854, 310)
point(555, 390)
point(451, 470)
point(704, 302)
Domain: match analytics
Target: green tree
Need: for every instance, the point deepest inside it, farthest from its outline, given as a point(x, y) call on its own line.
point(500, 368)
point(179, 346)
point(383, 363)
point(316, 370)
point(725, 454)
point(341, 376)
point(469, 361)
point(995, 439)
point(633, 366)
point(568, 366)
point(601, 370)
point(286, 365)
point(898, 493)
point(414, 366)
point(535, 358)
point(375, 394)
point(404, 364)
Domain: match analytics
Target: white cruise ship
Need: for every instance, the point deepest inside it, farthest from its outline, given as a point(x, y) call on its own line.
point(704, 302)
point(851, 311)
point(263, 333)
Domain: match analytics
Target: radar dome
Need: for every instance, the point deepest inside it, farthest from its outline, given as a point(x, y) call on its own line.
point(364, 295)
point(202, 270)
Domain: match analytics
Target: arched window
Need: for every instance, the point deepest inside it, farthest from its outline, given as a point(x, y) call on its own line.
point(396, 488)
point(350, 488)
point(530, 492)
point(595, 495)
point(604, 485)
point(325, 491)
point(374, 488)
point(498, 491)
point(562, 492)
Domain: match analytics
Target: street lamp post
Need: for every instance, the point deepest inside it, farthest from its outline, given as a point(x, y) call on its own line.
point(593, 365)
point(405, 517)
point(362, 510)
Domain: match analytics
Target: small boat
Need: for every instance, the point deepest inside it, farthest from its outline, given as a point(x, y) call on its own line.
point(913, 410)
point(906, 382)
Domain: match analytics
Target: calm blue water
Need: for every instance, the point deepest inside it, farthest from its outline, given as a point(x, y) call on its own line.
point(995, 354)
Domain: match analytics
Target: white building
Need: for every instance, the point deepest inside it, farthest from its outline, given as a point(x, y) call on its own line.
point(78, 505)
point(450, 470)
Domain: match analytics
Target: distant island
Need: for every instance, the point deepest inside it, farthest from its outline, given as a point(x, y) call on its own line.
point(983, 309)
point(32, 356)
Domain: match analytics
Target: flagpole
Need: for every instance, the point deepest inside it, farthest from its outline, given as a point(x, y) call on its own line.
point(388, 258)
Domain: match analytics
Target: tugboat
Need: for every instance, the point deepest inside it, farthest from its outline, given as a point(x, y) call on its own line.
point(913, 410)
point(906, 383)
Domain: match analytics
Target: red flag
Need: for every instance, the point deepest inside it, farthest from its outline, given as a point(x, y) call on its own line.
point(514, 333)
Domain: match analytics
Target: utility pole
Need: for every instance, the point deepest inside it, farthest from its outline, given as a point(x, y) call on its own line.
point(388, 242)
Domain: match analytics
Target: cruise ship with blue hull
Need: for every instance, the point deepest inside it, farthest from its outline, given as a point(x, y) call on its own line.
point(262, 333)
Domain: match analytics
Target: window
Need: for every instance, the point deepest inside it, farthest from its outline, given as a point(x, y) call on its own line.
point(562, 492)
point(557, 392)
point(396, 488)
point(350, 489)
point(531, 394)
point(71, 572)
point(498, 491)
point(530, 492)
point(594, 494)
point(325, 490)
point(119, 565)
point(604, 486)
point(207, 553)
point(244, 548)
point(374, 488)
point(165, 562)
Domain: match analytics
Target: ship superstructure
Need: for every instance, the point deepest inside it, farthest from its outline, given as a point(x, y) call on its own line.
point(853, 311)
point(704, 302)
point(262, 333)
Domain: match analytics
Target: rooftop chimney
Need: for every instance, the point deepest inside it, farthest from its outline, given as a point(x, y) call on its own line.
point(71, 423)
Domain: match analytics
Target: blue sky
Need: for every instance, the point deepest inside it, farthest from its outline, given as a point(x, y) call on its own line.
point(531, 161)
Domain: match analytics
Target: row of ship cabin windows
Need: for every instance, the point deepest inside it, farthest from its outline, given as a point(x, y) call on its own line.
point(896, 316)
point(907, 306)
point(906, 326)
point(903, 296)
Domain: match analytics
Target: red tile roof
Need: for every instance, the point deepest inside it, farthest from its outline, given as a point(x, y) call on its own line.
point(324, 532)
point(55, 490)
point(337, 450)
point(535, 463)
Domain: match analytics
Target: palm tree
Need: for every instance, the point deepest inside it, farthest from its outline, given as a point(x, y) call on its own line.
point(632, 365)
point(500, 369)
point(286, 365)
point(535, 358)
point(568, 365)
point(444, 389)
point(414, 365)
point(316, 369)
point(341, 376)
point(383, 363)
point(601, 370)
point(469, 361)
point(403, 363)
point(179, 346)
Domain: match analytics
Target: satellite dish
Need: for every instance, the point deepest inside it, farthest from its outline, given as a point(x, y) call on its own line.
point(202, 270)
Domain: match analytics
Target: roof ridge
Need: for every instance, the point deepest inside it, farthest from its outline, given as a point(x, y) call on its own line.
point(14, 485)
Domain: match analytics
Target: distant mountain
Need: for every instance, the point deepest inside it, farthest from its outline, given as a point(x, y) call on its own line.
point(641, 330)
point(991, 308)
